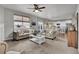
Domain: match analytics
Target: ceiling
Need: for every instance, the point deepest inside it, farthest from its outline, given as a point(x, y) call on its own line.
point(52, 11)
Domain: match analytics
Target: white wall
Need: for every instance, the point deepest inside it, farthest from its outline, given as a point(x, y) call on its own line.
point(1, 23)
point(74, 22)
point(8, 23)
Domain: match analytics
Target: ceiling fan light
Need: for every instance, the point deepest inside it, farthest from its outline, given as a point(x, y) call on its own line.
point(36, 10)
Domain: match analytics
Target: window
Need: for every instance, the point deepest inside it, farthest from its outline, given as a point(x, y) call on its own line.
point(27, 25)
point(17, 18)
point(21, 21)
point(25, 19)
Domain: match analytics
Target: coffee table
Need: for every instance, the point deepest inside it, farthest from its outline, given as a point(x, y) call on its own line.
point(39, 39)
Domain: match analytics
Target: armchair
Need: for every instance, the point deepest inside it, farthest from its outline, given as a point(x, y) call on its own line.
point(3, 47)
point(50, 34)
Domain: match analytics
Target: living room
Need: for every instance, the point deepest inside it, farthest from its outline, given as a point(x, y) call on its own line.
point(21, 27)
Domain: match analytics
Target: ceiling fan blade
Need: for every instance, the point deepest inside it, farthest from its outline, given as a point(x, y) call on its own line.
point(39, 10)
point(35, 4)
point(41, 7)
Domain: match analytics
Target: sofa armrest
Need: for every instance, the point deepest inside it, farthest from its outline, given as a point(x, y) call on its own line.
point(3, 47)
point(15, 35)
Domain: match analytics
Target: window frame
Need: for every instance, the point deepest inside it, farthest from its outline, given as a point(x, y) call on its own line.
point(28, 21)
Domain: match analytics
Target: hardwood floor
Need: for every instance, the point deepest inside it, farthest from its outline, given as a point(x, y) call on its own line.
point(56, 46)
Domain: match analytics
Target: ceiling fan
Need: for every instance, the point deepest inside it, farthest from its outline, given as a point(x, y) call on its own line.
point(36, 8)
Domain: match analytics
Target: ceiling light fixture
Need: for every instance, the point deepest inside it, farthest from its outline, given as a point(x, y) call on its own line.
point(36, 11)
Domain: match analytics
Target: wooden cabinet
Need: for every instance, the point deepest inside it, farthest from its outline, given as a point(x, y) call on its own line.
point(72, 39)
